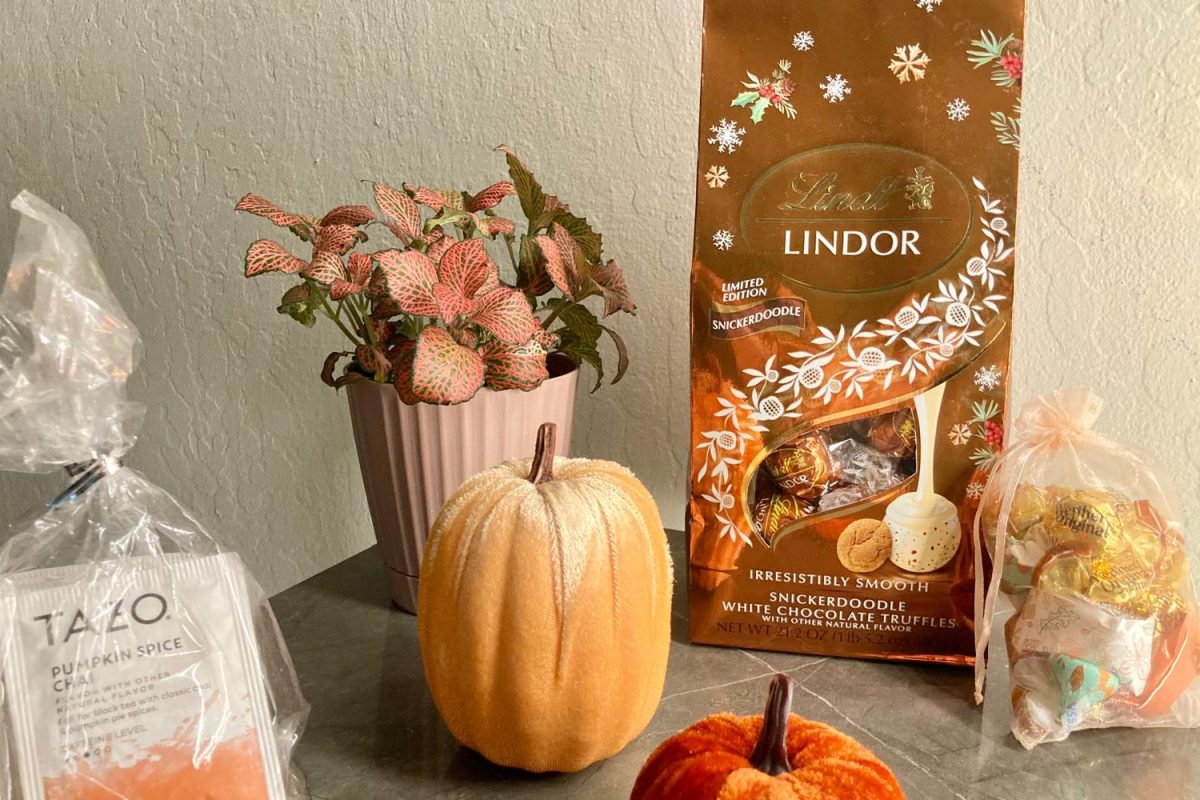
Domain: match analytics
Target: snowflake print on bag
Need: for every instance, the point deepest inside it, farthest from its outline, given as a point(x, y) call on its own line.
point(716, 177)
point(835, 88)
point(846, 361)
point(909, 62)
point(928, 4)
point(723, 240)
point(958, 110)
point(727, 136)
point(975, 490)
point(988, 378)
point(960, 434)
point(803, 41)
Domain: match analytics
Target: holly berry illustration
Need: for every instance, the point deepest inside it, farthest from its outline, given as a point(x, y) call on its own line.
point(993, 434)
point(1013, 64)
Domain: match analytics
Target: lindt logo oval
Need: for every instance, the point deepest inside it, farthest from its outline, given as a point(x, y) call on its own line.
point(857, 217)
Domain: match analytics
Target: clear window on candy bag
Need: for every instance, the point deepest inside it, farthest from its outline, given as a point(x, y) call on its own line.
point(834, 467)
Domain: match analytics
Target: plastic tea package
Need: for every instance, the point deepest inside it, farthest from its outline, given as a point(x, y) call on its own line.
point(140, 660)
point(1093, 568)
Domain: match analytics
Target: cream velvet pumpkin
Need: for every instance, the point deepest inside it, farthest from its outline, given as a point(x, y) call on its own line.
point(544, 611)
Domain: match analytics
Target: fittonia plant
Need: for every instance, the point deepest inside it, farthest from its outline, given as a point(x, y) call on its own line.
point(429, 311)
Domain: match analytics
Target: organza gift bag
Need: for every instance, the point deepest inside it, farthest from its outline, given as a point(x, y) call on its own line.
point(1090, 568)
point(140, 660)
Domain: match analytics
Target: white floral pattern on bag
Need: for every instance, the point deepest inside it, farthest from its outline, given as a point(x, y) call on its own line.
point(910, 344)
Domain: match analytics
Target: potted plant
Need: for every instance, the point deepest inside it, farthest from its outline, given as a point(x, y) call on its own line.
point(452, 365)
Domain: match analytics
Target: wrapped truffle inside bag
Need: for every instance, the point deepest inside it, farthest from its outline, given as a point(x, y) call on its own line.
point(1090, 581)
point(139, 658)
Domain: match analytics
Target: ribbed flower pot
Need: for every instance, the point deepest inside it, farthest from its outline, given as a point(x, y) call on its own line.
point(414, 457)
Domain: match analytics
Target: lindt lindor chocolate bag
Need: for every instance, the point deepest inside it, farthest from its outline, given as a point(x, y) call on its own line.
point(1090, 587)
point(852, 283)
point(138, 658)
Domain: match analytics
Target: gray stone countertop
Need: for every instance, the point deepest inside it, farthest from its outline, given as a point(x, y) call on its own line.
point(374, 733)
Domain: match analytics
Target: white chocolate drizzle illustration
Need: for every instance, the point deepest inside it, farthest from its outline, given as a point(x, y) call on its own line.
point(925, 528)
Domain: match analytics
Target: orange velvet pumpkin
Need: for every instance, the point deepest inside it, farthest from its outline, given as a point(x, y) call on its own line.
point(544, 611)
point(776, 756)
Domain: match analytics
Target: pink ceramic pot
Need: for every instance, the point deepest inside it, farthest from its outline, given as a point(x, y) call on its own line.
point(414, 457)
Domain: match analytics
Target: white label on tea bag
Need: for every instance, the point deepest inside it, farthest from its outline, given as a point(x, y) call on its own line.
point(137, 678)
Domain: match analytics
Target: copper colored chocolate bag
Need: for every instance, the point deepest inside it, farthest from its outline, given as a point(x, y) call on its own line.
point(852, 285)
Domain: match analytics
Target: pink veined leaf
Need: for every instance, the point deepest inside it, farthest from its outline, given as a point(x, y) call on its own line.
point(431, 238)
point(443, 371)
point(408, 278)
point(492, 227)
point(468, 337)
point(507, 366)
point(555, 267)
point(437, 199)
point(340, 289)
point(491, 196)
point(451, 303)
point(262, 207)
point(568, 249)
point(267, 256)
point(554, 204)
point(337, 238)
point(545, 338)
point(348, 215)
point(360, 268)
point(372, 359)
point(399, 208)
point(465, 267)
point(506, 314)
point(611, 279)
point(402, 364)
point(326, 267)
point(437, 249)
point(540, 285)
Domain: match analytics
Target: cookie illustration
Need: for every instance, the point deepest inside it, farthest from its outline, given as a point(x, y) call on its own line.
point(864, 545)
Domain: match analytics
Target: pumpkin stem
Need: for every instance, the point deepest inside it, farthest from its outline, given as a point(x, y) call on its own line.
point(770, 752)
point(543, 454)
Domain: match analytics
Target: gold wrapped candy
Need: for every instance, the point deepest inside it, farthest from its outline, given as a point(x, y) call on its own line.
point(1089, 517)
point(1029, 506)
point(1115, 553)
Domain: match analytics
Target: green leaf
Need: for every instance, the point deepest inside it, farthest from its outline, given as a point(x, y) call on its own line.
point(449, 215)
point(527, 262)
point(745, 98)
point(578, 350)
point(1008, 129)
point(622, 353)
point(1001, 78)
point(529, 191)
point(578, 319)
point(330, 365)
point(587, 239)
point(756, 113)
point(984, 411)
point(301, 303)
point(983, 458)
point(988, 48)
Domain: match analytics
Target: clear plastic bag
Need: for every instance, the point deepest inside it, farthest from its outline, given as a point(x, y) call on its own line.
point(139, 659)
point(1090, 574)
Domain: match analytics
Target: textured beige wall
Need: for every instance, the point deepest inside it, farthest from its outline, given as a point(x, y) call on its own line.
point(146, 121)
